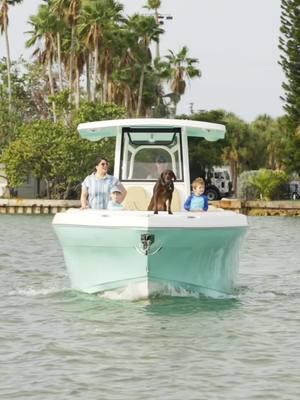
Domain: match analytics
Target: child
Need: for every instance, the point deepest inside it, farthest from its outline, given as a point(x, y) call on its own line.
point(116, 199)
point(197, 201)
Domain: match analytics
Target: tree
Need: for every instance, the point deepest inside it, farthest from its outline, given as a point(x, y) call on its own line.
point(155, 5)
point(53, 153)
point(291, 150)
point(57, 12)
point(268, 182)
point(56, 154)
point(236, 150)
point(9, 124)
point(69, 9)
point(177, 69)
point(23, 106)
point(204, 155)
point(44, 32)
point(4, 29)
point(268, 140)
point(289, 44)
point(97, 24)
point(146, 30)
point(90, 111)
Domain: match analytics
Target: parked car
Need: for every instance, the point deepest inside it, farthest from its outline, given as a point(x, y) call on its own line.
point(218, 183)
point(291, 190)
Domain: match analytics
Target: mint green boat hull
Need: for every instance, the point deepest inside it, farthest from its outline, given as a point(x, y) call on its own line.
point(194, 260)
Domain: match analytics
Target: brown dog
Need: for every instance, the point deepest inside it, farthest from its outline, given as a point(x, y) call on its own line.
point(163, 192)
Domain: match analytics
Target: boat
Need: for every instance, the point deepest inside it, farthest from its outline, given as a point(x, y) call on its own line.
point(184, 252)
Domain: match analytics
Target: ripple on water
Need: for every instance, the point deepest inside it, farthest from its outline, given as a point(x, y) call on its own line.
point(59, 343)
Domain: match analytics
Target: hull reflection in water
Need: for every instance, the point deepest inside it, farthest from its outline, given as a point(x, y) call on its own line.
point(151, 254)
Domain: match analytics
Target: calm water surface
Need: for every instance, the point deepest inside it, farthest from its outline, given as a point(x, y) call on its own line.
point(59, 344)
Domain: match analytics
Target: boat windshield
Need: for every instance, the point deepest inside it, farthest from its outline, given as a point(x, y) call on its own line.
point(147, 153)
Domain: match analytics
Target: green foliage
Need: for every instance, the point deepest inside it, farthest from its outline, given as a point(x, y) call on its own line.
point(289, 43)
point(236, 149)
point(28, 98)
point(9, 123)
point(245, 189)
point(89, 111)
point(54, 153)
point(178, 69)
point(153, 4)
point(204, 155)
point(292, 153)
point(268, 183)
point(61, 101)
point(268, 140)
point(291, 148)
point(21, 102)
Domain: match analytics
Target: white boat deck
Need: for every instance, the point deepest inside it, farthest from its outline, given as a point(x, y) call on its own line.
point(217, 218)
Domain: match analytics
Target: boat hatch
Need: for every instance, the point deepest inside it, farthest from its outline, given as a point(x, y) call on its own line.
point(143, 148)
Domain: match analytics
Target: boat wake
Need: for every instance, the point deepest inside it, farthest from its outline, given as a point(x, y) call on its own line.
point(144, 291)
point(132, 292)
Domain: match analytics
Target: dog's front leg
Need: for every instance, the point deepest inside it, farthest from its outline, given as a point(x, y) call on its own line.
point(169, 205)
point(155, 208)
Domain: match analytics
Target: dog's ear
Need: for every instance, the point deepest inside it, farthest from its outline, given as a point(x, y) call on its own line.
point(174, 176)
point(162, 176)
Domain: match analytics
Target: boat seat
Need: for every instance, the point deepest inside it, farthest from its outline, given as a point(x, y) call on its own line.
point(176, 202)
point(136, 199)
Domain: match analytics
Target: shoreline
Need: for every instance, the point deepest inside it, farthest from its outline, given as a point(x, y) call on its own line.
point(247, 207)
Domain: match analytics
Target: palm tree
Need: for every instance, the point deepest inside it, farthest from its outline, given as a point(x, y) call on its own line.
point(237, 148)
point(4, 8)
point(145, 29)
point(97, 22)
point(269, 131)
point(177, 69)
point(69, 9)
point(121, 86)
point(61, 28)
point(91, 33)
point(79, 63)
point(44, 26)
point(155, 5)
point(111, 39)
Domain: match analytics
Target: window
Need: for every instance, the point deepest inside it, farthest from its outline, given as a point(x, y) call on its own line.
point(145, 154)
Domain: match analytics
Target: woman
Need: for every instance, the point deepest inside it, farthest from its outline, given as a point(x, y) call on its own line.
point(96, 188)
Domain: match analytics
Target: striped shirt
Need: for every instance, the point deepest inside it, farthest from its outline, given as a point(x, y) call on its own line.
point(99, 189)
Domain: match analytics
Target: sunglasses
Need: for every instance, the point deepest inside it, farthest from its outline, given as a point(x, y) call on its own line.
point(103, 163)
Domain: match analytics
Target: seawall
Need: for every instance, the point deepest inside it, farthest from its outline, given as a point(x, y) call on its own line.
point(35, 206)
point(254, 208)
point(261, 207)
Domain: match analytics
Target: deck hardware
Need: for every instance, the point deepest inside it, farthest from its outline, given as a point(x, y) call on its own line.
point(145, 244)
point(146, 240)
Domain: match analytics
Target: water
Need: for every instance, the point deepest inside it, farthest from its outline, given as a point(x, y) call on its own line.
point(60, 344)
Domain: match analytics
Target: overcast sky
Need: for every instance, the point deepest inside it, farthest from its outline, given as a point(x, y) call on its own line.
point(234, 40)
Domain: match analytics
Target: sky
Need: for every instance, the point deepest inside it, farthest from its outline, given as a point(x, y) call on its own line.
point(235, 41)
